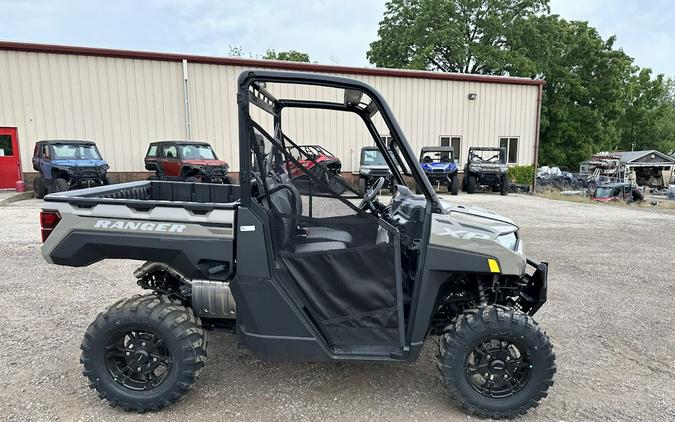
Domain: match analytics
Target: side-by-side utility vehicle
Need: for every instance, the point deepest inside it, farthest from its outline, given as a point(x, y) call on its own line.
point(486, 167)
point(317, 161)
point(439, 165)
point(336, 280)
point(67, 164)
point(187, 161)
point(372, 167)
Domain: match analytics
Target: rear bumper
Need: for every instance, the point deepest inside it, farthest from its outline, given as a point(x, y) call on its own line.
point(534, 295)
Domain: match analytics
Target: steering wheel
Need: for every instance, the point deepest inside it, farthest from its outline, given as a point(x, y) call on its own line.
point(369, 197)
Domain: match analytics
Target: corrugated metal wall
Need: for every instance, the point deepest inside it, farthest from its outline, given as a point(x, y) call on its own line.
point(123, 104)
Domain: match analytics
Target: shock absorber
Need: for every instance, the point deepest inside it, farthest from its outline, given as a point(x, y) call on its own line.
point(482, 295)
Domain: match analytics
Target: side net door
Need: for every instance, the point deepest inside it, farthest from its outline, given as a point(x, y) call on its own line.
point(342, 262)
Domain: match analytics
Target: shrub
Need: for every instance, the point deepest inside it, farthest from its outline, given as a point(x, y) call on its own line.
point(521, 174)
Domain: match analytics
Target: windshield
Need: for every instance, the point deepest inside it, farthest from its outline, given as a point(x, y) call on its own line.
point(486, 156)
point(437, 157)
point(606, 192)
point(373, 157)
point(197, 152)
point(75, 152)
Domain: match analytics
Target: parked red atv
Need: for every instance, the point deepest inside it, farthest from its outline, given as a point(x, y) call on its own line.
point(186, 161)
point(319, 162)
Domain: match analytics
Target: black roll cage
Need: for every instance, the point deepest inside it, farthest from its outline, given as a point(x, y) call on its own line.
point(252, 90)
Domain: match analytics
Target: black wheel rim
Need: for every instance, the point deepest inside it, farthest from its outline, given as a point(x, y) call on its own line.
point(138, 360)
point(498, 368)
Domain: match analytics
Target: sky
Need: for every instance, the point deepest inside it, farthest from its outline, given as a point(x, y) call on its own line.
point(330, 31)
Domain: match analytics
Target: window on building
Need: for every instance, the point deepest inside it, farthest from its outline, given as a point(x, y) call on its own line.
point(456, 143)
point(6, 146)
point(511, 146)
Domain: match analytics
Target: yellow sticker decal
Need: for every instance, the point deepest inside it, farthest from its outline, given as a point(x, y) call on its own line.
point(494, 265)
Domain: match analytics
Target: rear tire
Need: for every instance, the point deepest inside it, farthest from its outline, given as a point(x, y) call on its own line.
point(509, 346)
point(39, 188)
point(191, 179)
point(60, 185)
point(453, 186)
point(471, 184)
point(166, 332)
point(227, 180)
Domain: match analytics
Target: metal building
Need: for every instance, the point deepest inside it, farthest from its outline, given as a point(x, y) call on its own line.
point(124, 100)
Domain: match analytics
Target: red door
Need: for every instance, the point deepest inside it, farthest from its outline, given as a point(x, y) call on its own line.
point(10, 163)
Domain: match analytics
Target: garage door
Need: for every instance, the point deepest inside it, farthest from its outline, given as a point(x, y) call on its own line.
point(9, 158)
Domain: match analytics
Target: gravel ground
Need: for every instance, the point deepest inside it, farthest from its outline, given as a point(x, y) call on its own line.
point(610, 316)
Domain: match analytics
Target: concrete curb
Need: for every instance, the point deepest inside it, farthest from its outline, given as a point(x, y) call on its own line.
point(22, 196)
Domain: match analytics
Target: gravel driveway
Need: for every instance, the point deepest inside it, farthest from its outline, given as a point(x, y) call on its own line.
point(610, 315)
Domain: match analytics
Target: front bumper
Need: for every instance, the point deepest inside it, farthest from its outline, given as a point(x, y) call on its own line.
point(87, 176)
point(442, 177)
point(214, 174)
point(534, 295)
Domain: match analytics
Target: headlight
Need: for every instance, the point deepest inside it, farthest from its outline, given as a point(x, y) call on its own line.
point(105, 167)
point(509, 241)
point(503, 169)
point(365, 171)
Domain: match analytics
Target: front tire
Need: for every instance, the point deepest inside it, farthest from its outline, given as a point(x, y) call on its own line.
point(496, 362)
point(143, 353)
point(453, 186)
point(362, 186)
point(60, 185)
point(471, 184)
point(39, 189)
point(337, 184)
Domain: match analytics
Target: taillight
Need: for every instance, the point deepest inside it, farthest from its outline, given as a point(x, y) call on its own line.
point(48, 222)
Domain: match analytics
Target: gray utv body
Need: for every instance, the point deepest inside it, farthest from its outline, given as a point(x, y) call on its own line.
point(369, 287)
point(481, 172)
point(371, 170)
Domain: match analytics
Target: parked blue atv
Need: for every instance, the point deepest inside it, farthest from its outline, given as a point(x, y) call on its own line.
point(66, 164)
point(439, 165)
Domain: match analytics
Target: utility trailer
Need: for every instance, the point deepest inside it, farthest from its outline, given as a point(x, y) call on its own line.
point(362, 282)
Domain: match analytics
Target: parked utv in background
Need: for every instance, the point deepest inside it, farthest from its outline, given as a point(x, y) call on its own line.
point(186, 161)
point(439, 166)
point(319, 162)
point(486, 166)
point(370, 282)
point(618, 191)
point(67, 164)
point(373, 167)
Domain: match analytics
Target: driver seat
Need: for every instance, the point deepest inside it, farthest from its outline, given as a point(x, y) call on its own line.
point(318, 233)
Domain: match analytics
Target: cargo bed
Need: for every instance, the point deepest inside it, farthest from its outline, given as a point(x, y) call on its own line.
point(189, 226)
point(151, 193)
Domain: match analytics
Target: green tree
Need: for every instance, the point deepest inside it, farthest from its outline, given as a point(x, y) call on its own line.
point(289, 56)
point(585, 94)
point(649, 121)
point(468, 36)
point(595, 98)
